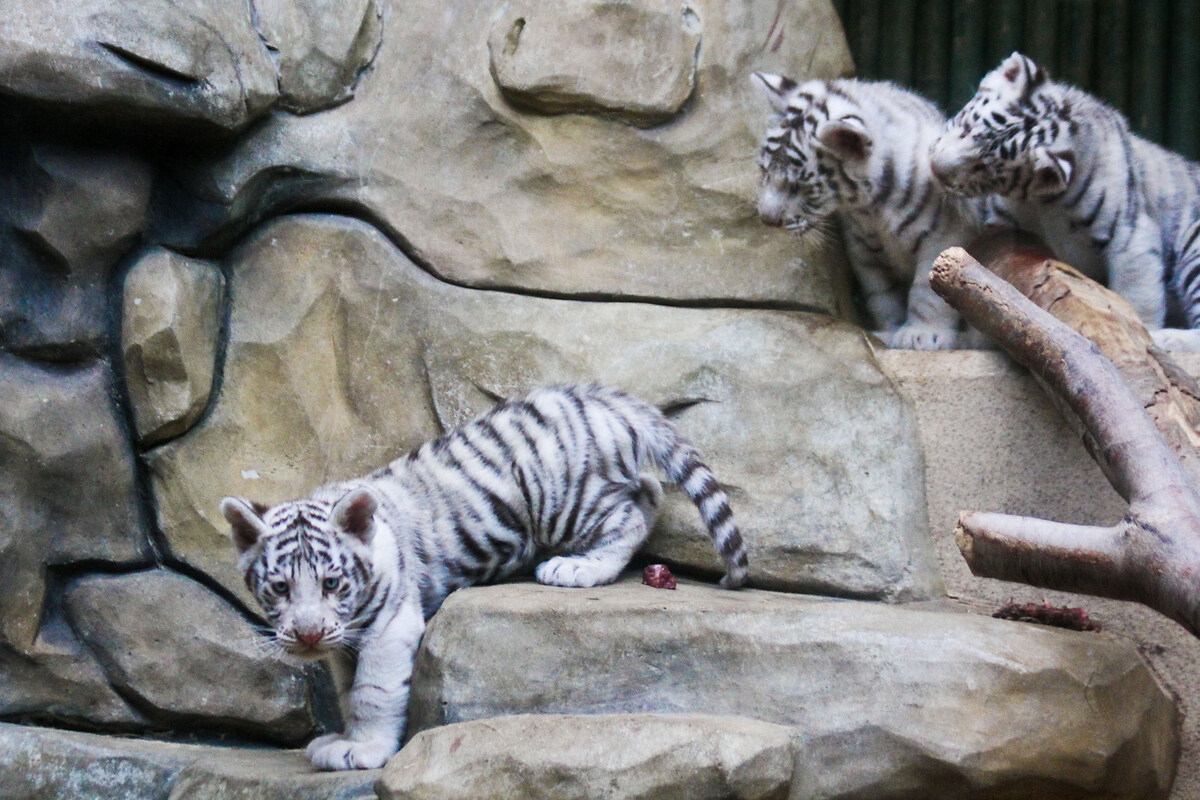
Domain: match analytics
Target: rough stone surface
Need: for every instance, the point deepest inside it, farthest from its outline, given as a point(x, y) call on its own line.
point(634, 60)
point(483, 193)
point(37, 764)
point(993, 442)
point(322, 46)
point(67, 484)
point(618, 756)
point(976, 703)
point(169, 331)
point(198, 63)
point(67, 495)
point(343, 355)
point(71, 213)
point(148, 629)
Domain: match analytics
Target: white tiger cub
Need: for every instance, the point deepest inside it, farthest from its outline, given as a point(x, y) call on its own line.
point(1060, 163)
point(552, 478)
point(859, 151)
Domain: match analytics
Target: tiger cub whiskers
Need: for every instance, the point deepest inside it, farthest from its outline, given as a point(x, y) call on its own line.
point(553, 478)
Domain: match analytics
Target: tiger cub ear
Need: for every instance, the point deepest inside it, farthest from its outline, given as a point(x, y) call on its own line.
point(776, 88)
point(355, 513)
point(245, 522)
point(1051, 172)
point(1022, 72)
point(846, 138)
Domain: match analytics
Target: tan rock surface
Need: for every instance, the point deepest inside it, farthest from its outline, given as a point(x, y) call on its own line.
point(195, 63)
point(170, 324)
point(322, 46)
point(633, 60)
point(343, 355)
point(574, 757)
point(483, 193)
point(969, 705)
point(67, 495)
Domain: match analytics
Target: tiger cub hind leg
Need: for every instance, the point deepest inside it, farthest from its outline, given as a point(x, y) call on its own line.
point(619, 535)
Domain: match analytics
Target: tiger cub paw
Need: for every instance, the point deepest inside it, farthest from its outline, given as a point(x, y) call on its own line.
point(915, 336)
point(575, 572)
point(336, 752)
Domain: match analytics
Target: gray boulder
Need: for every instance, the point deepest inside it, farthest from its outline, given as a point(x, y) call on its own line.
point(617, 756)
point(150, 629)
point(893, 700)
point(193, 63)
point(38, 764)
point(70, 214)
point(68, 495)
point(633, 60)
point(321, 47)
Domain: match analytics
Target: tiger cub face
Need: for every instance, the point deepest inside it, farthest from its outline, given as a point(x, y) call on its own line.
point(308, 564)
point(1013, 138)
point(815, 150)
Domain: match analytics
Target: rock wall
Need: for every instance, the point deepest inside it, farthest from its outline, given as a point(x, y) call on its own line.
point(249, 247)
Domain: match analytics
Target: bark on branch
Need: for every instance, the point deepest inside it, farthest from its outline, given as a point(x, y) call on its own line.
point(1153, 555)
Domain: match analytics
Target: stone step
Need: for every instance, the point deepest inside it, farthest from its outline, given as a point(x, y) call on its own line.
point(577, 757)
point(921, 695)
point(44, 763)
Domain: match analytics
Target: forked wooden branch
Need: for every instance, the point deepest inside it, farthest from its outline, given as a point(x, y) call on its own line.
point(1153, 555)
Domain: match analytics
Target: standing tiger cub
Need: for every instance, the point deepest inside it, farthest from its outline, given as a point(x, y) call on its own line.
point(858, 151)
point(553, 478)
point(1057, 161)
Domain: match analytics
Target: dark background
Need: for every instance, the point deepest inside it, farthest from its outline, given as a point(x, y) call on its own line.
point(1142, 56)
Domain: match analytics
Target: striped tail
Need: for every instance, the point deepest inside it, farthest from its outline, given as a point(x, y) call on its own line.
point(676, 456)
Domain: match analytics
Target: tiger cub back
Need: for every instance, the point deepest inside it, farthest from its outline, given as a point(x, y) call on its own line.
point(1054, 160)
point(858, 152)
point(553, 478)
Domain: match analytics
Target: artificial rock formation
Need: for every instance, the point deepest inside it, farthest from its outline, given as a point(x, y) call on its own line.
point(486, 193)
point(971, 706)
point(418, 208)
point(635, 61)
point(198, 66)
point(646, 756)
point(169, 328)
point(343, 355)
point(234, 682)
point(37, 763)
point(70, 214)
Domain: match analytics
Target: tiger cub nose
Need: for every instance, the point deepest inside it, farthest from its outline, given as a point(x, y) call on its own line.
point(310, 639)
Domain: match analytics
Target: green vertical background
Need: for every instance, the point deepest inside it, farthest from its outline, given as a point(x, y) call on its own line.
point(1142, 56)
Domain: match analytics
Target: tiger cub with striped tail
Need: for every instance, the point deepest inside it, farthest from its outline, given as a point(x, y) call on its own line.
point(1056, 161)
point(552, 478)
point(858, 152)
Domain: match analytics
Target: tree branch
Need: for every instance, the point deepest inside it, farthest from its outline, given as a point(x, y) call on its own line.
point(1153, 556)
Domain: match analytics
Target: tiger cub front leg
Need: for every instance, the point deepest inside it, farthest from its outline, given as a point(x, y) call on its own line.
point(376, 702)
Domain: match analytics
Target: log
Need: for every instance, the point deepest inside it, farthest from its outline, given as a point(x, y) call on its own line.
point(1170, 395)
point(1153, 555)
